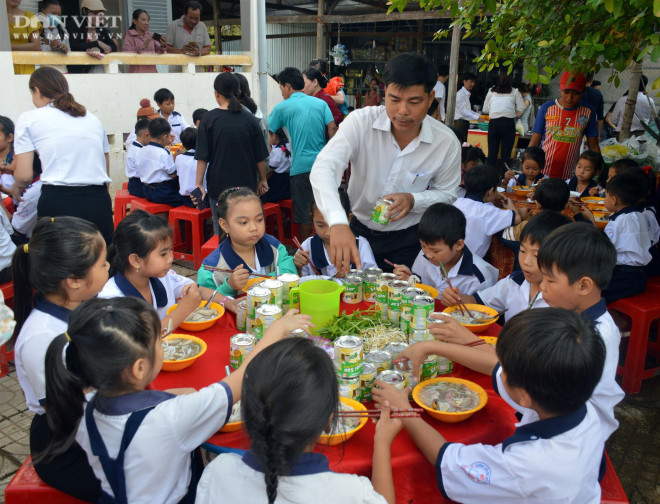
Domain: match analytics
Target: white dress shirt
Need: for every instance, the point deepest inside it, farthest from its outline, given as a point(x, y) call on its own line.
point(440, 92)
point(483, 221)
point(429, 167)
point(498, 105)
point(25, 217)
point(72, 149)
point(463, 106)
point(154, 164)
point(642, 113)
point(629, 231)
point(132, 151)
point(512, 294)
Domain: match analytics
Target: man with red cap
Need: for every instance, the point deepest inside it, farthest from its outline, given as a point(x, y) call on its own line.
point(560, 125)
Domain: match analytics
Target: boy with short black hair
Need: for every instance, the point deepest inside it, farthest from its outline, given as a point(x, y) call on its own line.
point(197, 116)
point(556, 451)
point(142, 138)
point(629, 230)
point(165, 100)
point(441, 233)
point(470, 157)
point(155, 166)
point(484, 219)
point(186, 165)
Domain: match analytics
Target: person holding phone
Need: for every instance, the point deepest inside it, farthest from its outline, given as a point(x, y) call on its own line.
point(139, 39)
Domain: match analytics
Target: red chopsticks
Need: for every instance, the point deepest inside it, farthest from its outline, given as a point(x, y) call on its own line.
point(375, 413)
point(223, 270)
point(475, 343)
point(296, 242)
point(389, 262)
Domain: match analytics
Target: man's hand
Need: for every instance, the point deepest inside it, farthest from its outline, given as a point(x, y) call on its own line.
point(262, 188)
point(343, 249)
point(402, 204)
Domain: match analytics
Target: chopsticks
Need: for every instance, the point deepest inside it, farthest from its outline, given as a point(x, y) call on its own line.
point(296, 242)
point(461, 305)
point(475, 343)
point(223, 270)
point(389, 262)
point(375, 413)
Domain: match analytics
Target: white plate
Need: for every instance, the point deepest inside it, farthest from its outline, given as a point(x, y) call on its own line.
point(575, 194)
point(501, 189)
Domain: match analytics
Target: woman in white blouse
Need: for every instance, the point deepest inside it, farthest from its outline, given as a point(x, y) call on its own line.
point(73, 149)
point(503, 104)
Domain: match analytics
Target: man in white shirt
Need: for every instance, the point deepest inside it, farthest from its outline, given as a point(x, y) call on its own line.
point(439, 90)
point(464, 113)
point(396, 153)
point(643, 113)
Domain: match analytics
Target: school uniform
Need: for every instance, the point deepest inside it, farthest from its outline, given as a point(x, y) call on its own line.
point(628, 229)
point(521, 180)
point(460, 191)
point(470, 274)
point(553, 460)
point(155, 167)
point(25, 217)
point(320, 259)
point(7, 248)
point(164, 291)
point(69, 472)
point(653, 267)
point(483, 221)
point(511, 294)
point(153, 435)
point(573, 184)
point(177, 123)
point(135, 187)
point(186, 169)
point(74, 172)
point(271, 258)
point(279, 185)
point(241, 479)
point(607, 393)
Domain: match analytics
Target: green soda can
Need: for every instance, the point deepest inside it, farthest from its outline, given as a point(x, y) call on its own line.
point(367, 379)
point(444, 366)
point(430, 367)
point(352, 289)
point(407, 297)
point(348, 356)
point(370, 284)
point(422, 307)
point(379, 211)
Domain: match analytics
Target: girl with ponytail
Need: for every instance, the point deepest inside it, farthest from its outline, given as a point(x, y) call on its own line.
point(290, 397)
point(64, 264)
point(73, 149)
point(230, 142)
point(140, 443)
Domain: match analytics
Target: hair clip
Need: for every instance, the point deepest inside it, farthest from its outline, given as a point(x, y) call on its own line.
point(68, 338)
point(25, 248)
point(52, 219)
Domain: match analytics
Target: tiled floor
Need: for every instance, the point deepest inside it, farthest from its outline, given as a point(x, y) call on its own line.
point(634, 449)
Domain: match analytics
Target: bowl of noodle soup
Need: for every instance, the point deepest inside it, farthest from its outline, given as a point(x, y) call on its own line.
point(472, 395)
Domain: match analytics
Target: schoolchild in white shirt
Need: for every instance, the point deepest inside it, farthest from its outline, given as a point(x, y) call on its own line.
point(186, 166)
point(155, 166)
point(140, 443)
point(142, 138)
point(141, 261)
point(554, 457)
point(7, 246)
point(165, 101)
point(470, 157)
point(315, 248)
point(484, 219)
point(290, 397)
point(532, 167)
point(629, 231)
point(65, 264)
point(521, 290)
point(442, 237)
point(24, 217)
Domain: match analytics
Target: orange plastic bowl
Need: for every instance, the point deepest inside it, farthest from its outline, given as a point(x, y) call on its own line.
point(523, 190)
point(432, 291)
point(200, 326)
point(335, 439)
point(232, 426)
point(449, 416)
point(178, 365)
point(252, 281)
point(475, 328)
point(600, 224)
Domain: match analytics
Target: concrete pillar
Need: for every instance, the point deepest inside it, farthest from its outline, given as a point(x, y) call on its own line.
point(7, 83)
point(253, 43)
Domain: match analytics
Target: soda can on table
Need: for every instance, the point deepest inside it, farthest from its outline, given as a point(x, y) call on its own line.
point(349, 387)
point(395, 348)
point(356, 272)
point(394, 378)
point(430, 368)
point(240, 346)
point(407, 297)
point(257, 296)
point(381, 359)
point(417, 335)
point(395, 294)
point(370, 284)
point(382, 286)
point(348, 356)
point(380, 209)
point(352, 289)
point(241, 315)
point(405, 322)
point(444, 366)
point(367, 379)
point(289, 281)
point(298, 333)
point(276, 288)
point(422, 307)
point(394, 316)
point(265, 316)
point(404, 366)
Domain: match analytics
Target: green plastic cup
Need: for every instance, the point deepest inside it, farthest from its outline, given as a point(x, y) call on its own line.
point(319, 299)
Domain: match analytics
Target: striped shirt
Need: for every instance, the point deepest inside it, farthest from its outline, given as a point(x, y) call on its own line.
point(562, 131)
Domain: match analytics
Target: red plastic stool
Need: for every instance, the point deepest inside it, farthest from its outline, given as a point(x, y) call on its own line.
point(27, 488)
point(653, 284)
point(8, 293)
point(291, 229)
point(210, 246)
point(194, 225)
point(124, 185)
point(149, 207)
point(642, 309)
point(272, 210)
point(611, 491)
point(122, 201)
point(5, 357)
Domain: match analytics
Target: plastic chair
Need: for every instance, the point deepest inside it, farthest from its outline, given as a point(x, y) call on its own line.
point(210, 246)
point(9, 205)
point(122, 201)
point(27, 488)
point(642, 309)
point(194, 227)
point(272, 211)
point(610, 487)
point(291, 230)
point(149, 207)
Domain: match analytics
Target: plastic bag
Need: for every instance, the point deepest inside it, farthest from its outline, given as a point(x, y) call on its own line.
point(645, 153)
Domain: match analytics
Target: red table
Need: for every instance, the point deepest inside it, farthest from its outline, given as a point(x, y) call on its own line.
point(414, 477)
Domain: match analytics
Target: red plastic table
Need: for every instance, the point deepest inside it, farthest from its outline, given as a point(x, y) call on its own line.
point(414, 477)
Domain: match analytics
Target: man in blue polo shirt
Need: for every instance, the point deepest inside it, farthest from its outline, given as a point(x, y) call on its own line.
point(305, 119)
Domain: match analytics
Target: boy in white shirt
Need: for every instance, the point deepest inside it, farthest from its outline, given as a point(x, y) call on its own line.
point(442, 237)
point(186, 165)
point(484, 219)
point(165, 101)
point(142, 138)
point(556, 451)
point(155, 166)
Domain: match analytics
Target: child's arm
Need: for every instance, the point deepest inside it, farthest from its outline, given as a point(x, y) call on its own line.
point(381, 475)
point(452, 296)
point(300, 260)
point(228, 303)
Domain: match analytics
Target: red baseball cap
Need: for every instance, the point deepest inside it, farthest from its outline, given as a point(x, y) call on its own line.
point(573, 81)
